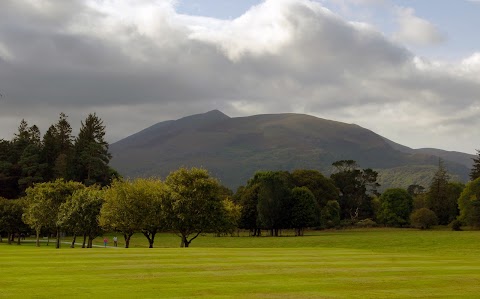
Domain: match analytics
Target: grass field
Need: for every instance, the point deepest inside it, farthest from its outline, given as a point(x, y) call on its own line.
point(373, 263)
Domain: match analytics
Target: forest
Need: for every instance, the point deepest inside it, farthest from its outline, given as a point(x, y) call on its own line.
point(62, 184)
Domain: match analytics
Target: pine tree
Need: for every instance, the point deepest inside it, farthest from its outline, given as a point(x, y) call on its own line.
point(64, 141)
point(91, 156)
point(438, 199)
point(475, 172)
point(50, 152)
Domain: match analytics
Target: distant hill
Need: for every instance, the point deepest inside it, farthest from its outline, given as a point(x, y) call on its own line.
point(233, 149)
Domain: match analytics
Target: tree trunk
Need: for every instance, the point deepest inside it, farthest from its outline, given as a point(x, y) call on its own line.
point(185, 243)
point(10, 235)
point(84, 240)
point(150, 237)
point(38, 237)
point(90, 242)
point(57, 243)
point(48, 239)
point(73, 241)
point(1, 240)
point(18, 241)
point(127, 239)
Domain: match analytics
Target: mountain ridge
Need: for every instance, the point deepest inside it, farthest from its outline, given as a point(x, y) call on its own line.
point(233, 148)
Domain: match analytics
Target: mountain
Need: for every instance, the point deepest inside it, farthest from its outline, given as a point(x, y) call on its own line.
point(233, 149)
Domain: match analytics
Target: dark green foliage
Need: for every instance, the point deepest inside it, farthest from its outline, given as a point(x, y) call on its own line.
point(323, 188)
point(357, 186)
point(11, 218)
point(395, 207)
point(475, 171)
point(248, 200)
point(366, 223)
point(90, 154)
point(304, 209)
point(330, 214)
point(469, 204)
point(456, 225)
point(274, 204)
point(415, 190)
point(423, 218)
point(442, 198)
point(29, 159)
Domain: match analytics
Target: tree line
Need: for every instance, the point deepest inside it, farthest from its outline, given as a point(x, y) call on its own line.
point(29, 158)
point(64, 184)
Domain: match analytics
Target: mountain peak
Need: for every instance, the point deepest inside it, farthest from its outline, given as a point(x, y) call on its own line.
point(213, 115)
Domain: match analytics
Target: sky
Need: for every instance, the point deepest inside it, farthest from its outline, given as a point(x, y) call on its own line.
point(408, 70)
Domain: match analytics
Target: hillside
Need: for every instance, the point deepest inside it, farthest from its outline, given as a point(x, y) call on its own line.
point(232, 149)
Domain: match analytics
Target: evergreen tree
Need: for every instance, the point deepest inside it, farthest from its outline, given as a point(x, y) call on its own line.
point(8, 179)
point(49, 152)
point(91, 157)
point(475, 172)
point(437, 198)
point(64, 141)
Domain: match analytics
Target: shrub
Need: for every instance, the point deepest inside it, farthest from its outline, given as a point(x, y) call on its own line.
point(366, 223)
point(456, 225)
point(423, 218)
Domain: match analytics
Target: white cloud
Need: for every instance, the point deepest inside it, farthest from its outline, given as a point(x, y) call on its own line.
point(139, 62)
point(415, 30)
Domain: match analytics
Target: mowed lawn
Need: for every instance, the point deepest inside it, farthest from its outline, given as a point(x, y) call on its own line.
point(370, 263)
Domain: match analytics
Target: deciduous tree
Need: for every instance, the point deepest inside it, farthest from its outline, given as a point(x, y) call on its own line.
point(469, 204)
point(194, 205)
point(305, 209)
point(43, 202)
point(395, 207)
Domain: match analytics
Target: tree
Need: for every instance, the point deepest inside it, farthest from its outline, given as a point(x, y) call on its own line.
point(395, 207)
point(248, 199)
point(11, 218)
point(57, 148)
point(151, 194)
point(356, 189)
point(274, 200)
point(330, 214)
point(423, 218)
point(8, 171)
point(415, 190)
point(304, 209)
point(122, 210)
point(469, 204)
point(194, 205)
point(91, 156)
point(80, 213)
point(27, 147)
point(231, 218)
point(43, 202)
point(437, 197)
point(323, 188)
point(475, 172)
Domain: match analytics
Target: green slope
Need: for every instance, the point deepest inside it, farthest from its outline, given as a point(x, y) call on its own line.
point(232, 149)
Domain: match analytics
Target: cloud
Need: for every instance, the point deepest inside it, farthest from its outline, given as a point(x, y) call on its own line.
point(415, 30)
point(136, 63)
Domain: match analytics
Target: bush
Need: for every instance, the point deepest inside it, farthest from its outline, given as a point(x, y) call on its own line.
point(366, 223)
point(423, 218)
point(456, 225)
